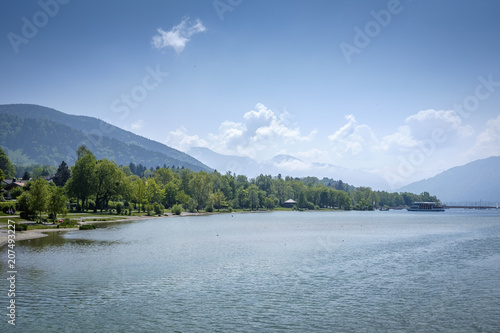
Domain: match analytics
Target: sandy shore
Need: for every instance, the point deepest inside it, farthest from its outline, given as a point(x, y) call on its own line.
point(30, 234)
point(39, 233)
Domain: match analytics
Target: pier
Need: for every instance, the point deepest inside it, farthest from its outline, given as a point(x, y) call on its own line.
point(472, 207)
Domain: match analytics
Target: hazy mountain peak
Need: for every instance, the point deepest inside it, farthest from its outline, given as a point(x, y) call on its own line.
point(473, 182)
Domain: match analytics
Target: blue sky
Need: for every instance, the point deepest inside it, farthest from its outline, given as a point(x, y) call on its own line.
point(404, 89)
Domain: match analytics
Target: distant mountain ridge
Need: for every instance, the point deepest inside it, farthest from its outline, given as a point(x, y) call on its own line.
point(285, 165)
point(477, 181)
point(37, 134)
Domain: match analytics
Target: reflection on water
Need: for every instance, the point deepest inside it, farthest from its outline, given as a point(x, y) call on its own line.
point(57, 239)
point(293, 271)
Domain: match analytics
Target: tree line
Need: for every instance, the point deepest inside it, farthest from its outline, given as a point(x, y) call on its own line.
point(101, 185)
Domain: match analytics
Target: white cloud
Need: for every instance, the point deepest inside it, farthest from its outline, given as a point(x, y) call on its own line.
point(178, 37)
point(423, 126)
point(139, 124)
point(261, 135)
point(353, 138)
point(401, 139)
point(487, 142)
point(425, 122)
point(179, 139)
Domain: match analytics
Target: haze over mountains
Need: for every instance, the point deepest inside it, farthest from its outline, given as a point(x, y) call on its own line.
point(36, 134)
point(285, 165)
point(475, 182)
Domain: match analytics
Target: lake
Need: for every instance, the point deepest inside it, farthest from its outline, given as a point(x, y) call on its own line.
point(392, 271)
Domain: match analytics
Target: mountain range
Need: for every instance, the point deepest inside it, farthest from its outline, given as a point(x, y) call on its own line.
point(285, 165)
point(33, 134)
point(472, 183)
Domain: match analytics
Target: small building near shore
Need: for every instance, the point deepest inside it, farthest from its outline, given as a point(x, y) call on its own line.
point(289, 203)
point(12, 184)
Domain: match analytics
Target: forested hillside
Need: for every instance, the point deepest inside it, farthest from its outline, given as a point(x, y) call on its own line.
point(32, 134)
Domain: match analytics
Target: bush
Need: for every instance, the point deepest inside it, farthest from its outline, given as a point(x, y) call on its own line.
point(90, 204)
point(68, 223)
point(29, 216)
point(177, 209)
point(23, 202)
point(14, 193)
point(6, 208)
point(192, 204)
point(229, 209)
point(20, 227)
point(112, 205)
point(148, 209)
point(309, 205)
point(209, 208)
point(87, 227)
point(119, 208)
point(158, 208)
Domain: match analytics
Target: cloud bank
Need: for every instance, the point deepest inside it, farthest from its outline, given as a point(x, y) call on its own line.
point(427, 142)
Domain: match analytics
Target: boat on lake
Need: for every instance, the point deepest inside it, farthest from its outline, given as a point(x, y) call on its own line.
point(425, 207)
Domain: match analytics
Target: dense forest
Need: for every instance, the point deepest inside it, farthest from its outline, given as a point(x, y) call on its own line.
point(48, 142)
point(93, 184)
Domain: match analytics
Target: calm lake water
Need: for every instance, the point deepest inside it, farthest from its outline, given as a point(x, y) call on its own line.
point(393, 271)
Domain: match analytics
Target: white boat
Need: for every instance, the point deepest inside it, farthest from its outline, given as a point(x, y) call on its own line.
point(425, 207)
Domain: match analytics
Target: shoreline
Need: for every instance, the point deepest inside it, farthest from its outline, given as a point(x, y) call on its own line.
point(40, 233)
point(30, 234)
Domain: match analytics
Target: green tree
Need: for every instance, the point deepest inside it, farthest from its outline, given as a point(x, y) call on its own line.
point(343, 200)
point(182, 198)
point(110, 183)
point(16, 192)
point(154, 192)
point(270, 202)
point(126, 170)
point(139, 191)
point(219, 200)
point(164, 176)
point(201, 188)
point(82, 151)
point(56, 202)
point(253, 196)
point(42, 171)
point(9, 171)
point(302, 203)
point(171, 190)
point(39, 195)
point(62, 174)
point(23, 205)
point(82, 183)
